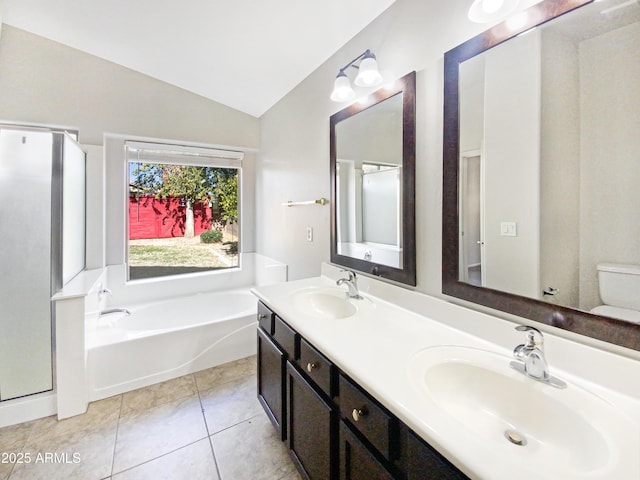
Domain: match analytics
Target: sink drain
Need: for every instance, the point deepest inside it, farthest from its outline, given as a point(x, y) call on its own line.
point(515, 437)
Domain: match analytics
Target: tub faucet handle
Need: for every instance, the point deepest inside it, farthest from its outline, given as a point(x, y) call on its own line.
point(105, 291)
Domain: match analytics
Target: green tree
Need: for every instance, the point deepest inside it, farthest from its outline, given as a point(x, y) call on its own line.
point(226, 191)
point(190, 183)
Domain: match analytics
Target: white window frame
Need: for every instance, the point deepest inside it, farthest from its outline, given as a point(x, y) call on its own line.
point(178, 154)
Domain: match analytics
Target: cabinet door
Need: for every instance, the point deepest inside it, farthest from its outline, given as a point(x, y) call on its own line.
point(356, 461)
point(424, 463)
point(311, 428)
point(369, 418)
point(271, 381)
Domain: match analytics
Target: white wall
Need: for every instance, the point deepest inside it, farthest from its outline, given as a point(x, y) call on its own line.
point(610, 142)
point(471, 88)
point(45, 82)
point(294, 148)
point(560, 169)
point(376, 136)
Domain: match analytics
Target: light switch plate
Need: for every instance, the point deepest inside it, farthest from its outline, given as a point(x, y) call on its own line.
point(508, 229)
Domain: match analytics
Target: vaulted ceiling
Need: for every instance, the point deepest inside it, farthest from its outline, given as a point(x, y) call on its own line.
point(246, 54)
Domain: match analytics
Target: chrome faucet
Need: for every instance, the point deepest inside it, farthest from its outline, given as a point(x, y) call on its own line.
point(532, 361)
point(351, 283)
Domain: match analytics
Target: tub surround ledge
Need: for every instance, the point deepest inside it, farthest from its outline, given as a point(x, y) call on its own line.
point(77, 297)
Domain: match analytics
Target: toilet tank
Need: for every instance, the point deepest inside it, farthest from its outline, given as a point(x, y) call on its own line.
point(619, 285)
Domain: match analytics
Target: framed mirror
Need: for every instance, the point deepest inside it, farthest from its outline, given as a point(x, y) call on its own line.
point(540, 191)
point(372, 161)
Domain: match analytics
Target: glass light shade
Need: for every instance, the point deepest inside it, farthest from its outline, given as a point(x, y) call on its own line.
point(492, 6)
point(342, 91)
point(368, 74)
point(485, 11)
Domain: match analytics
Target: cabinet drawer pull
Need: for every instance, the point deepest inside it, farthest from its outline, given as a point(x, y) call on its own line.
point(312, 366)
point(262, 316)
point(359, 413)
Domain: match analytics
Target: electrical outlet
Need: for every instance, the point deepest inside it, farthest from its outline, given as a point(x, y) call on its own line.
point(309, 234)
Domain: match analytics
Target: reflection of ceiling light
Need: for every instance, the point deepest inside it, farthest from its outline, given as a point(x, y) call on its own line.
point(516, 22)
point(368, 76)
point(485, 11)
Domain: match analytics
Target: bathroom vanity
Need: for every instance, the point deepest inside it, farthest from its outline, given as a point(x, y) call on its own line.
point(378, 388)
point(333, 426)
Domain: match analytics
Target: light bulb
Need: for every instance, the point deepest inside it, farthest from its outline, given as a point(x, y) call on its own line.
point(368, 74)
point(342, 90)
point(492, 6)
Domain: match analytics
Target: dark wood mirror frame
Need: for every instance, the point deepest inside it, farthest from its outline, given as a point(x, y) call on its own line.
point(603, 328)
point(407, 274)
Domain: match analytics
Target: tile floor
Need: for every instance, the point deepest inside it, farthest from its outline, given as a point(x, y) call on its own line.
point(208, 425)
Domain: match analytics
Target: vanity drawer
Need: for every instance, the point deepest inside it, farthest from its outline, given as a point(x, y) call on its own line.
point(285, 337)
point(370, 418)
point(265, 318)
point(317, 367)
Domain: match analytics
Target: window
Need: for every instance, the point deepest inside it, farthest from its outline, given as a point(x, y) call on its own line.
point(183, 209)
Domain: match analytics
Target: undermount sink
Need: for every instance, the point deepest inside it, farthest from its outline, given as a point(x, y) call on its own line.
point(327, 303)
point(564, 433)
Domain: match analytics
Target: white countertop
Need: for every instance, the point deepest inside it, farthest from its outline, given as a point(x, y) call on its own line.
point(376, 348)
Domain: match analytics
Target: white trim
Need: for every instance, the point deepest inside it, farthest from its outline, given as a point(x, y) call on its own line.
point(174, 154)
point(170, 141)
point(27, 408)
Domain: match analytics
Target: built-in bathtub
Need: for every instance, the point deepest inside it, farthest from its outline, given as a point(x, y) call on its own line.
point(166, 339)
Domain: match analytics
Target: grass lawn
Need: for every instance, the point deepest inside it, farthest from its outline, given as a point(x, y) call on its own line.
point(171, 256)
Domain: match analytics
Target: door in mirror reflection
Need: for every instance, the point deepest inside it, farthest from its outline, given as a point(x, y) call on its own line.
point(555, 115)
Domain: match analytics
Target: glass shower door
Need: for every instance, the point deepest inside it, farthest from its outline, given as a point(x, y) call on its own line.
point(25, 262)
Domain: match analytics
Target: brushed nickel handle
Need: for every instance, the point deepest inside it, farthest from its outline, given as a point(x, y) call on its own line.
point(359, 413)
point(312, 366)
point(262, 316)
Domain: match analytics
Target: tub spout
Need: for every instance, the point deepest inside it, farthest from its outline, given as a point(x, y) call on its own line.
point(114, 310)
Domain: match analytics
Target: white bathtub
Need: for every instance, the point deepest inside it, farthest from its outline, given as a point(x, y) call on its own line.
point(167, 339)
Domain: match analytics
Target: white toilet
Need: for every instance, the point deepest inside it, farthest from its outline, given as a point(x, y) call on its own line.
point(619, 286)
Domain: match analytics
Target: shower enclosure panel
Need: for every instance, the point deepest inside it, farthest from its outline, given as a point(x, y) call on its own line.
point(28, 260)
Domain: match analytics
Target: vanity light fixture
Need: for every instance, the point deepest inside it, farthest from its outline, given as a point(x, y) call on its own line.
point(485, 11)
point(368, 76)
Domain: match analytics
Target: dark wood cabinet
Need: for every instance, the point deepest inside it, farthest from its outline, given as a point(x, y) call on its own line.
point(271, 385)
point(334, 428)
point(357, 462)
point(311, 428)
point(318, 368)
point(424, 463)
point(369, 418)
point(266, 318)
